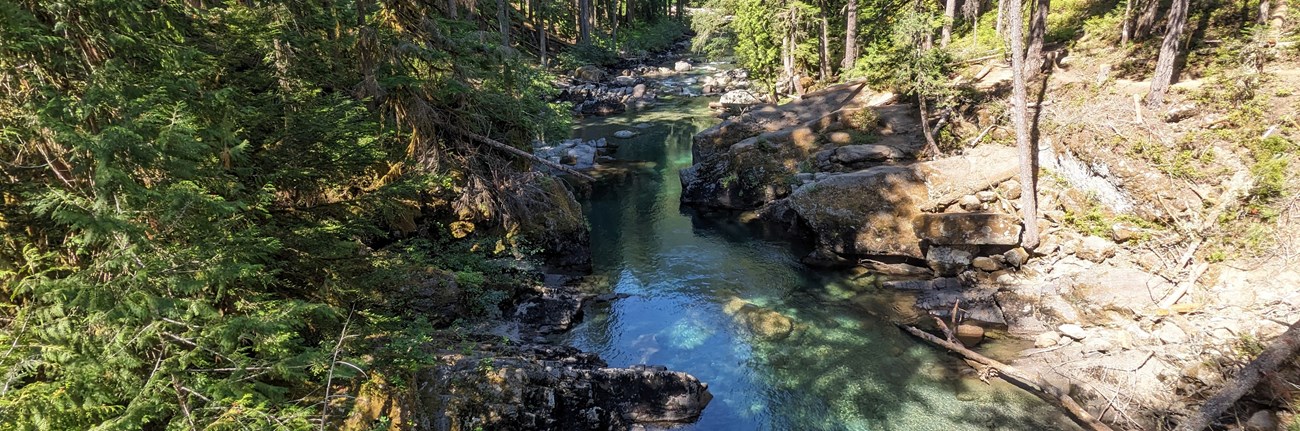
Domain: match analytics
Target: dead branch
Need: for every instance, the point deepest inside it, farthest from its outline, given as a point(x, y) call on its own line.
point(512, 150)
point(1283, 348)
point(1051, 394)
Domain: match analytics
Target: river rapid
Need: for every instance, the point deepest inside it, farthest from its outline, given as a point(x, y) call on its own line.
point(844, 367)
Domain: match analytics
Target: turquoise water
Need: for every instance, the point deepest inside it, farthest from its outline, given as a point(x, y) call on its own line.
point(841, 368)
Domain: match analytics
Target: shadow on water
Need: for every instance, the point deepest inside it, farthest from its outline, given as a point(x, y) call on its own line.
point(840, 368)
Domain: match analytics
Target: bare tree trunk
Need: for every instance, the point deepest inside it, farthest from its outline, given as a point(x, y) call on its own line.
point(681, 5)
point(1020, 119)
point(1263, 12)
point(1169, 51)
point(452, 9)
point(970, 11)
point(503, 21)
point(949, 15)
point(931, 149)
point(1000, 24)
point(1283, 349)
point(541, 30)
point(1037, 32)
point(1127, 31)
point(824, 45)
point(850, 36)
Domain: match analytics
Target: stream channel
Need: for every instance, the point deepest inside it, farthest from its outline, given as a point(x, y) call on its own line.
point(844, 367)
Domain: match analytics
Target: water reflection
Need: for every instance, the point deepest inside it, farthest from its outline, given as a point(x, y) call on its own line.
point(839, 368)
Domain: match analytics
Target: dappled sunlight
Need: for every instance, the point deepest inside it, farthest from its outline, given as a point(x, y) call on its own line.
point(782, 347)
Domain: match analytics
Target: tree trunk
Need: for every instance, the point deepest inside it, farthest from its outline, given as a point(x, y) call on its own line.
point(787, 60)
point(539, 21)
point(1020, 119)
point(1263, 12)
point(1169, 51)
point(824, 45)
point(1147, 12)
point(503, 21)
point(998, 24)
point(1034, 59)
point(1283, 349)
point(584, 21)
point(949, 15)
point(1127, 31)
point(452, 9)
point(931, 149)
point(681, 5)
point(850, 36)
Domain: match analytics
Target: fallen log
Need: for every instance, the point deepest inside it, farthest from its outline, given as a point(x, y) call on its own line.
point(512, 150)
point(1283, 348)
point(1051, 394)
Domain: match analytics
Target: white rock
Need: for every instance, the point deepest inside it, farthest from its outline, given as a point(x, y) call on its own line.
point(1073, 331)
point(624, 134)
point(1095, 248)
point(1170, 333)
point(986, 196)
point(1046, 339)
point(682, 66)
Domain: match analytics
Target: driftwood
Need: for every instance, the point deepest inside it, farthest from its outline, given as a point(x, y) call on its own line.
point(1051, 394)
point(1283, 348)
point(518, 152)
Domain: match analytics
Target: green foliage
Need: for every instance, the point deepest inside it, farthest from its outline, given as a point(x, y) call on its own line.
point(714, 37)
point(197, 198)
point(758, 47)
point(898, 63)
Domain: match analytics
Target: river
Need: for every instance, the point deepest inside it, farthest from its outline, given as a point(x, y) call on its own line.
point(843, 368)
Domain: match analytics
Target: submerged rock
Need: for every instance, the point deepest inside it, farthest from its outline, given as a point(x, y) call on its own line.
point(765, 323)
point(624, 134)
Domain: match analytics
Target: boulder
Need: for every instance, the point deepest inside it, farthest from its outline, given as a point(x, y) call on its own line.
point(853, 154)
point(968, 229)
point(624, 134)
point(589, 73)
point(868, 212)
point(1263, 420)
point(987, 264)
point(1047, 339)
point(969, 335)
point(532, 387)
point(625, 81)
point(970, 203)
point(638, 91)
point(740, 98)
point(1073, 331)
point(947, 261)
point(1016, 257)
point(765, 323)
point(1095, 248)
point(682, 66)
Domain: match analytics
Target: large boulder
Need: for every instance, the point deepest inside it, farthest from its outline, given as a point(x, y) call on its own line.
point(530, 388)
point(740, 98)
point(968, 229)
point(868, 212)
point(556, 224)
point(589, 73)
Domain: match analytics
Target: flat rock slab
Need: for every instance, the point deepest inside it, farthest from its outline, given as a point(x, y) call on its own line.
point(968, 229)
point(981, 167)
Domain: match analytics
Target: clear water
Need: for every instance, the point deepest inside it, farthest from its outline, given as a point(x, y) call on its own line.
point(843, 368)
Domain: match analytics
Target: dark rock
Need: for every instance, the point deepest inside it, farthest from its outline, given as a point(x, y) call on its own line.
point(1016, 257)
point(553, 311)
point(978, 304)
point(534, 388)
point(968, 229)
